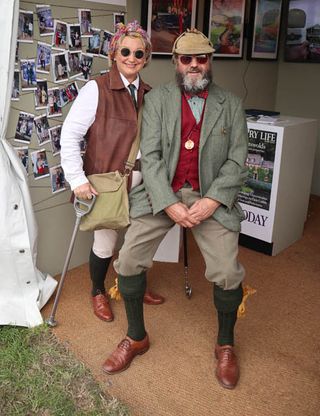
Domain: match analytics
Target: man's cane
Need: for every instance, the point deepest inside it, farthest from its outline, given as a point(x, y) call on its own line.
point(187, 287)
point(82, 208)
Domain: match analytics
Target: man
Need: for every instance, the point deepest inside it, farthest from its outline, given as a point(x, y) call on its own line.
point(194, 147)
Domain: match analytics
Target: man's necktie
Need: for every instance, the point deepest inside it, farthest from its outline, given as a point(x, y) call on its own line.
point(132, 89)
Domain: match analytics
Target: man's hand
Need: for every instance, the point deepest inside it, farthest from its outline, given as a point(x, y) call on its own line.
point(85, 191)
point(179, 213)
point(203, 209)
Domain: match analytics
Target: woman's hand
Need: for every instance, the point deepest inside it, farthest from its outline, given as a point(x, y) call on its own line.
point(85, 191)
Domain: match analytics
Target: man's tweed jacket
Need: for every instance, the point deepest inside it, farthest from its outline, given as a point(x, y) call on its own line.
point(222, 153)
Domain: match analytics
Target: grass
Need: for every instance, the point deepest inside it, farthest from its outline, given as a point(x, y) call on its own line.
point(39, 376)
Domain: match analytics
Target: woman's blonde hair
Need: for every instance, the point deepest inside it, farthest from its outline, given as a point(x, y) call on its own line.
point(133, 30)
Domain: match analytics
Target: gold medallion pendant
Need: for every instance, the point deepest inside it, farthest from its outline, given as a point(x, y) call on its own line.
point(189, 144)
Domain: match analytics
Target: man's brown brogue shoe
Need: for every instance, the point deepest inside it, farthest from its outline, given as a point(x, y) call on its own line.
point(152, 298)
point(227, 371)
point(125, 352)
point(102, 308)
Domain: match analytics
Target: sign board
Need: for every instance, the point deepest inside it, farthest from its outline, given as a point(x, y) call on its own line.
point(258, 196)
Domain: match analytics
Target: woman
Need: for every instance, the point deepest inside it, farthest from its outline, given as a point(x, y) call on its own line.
point(105, 113)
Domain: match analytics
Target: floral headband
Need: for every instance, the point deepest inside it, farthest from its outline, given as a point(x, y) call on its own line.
point(126, 30)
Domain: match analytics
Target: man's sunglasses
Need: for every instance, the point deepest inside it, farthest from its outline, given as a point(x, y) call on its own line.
point(187, 59)
point(138, 54)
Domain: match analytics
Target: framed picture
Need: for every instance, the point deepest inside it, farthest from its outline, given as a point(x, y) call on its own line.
point(302, 43)
point(165, 21)
point(264, 29)
point(224, 26)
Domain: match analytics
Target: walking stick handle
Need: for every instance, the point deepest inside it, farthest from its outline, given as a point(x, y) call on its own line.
point(82, 208)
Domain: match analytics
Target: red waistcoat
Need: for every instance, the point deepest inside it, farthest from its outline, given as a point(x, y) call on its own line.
point(187, 167)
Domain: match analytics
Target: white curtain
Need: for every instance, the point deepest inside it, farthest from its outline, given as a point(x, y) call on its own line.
point(23, 288)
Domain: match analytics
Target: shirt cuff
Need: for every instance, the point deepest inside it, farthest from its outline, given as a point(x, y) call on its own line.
point(80, 180)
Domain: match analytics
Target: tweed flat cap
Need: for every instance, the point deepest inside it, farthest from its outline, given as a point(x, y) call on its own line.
point(192, 42)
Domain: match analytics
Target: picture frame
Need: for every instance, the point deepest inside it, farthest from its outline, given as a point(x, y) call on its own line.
point(302, 42)
point(264, 29)
point(223, 24)
point(165, 21)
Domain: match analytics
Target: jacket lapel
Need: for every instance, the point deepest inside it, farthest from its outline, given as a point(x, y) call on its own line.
point(173, 111)
point(173, 124)
point(212, 113)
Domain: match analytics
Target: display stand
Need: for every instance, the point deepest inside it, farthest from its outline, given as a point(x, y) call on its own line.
point(276, 195)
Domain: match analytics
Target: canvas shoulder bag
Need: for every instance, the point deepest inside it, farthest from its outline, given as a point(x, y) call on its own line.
point(111, 208)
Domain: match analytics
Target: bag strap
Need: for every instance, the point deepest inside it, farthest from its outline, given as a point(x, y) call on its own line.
point(129, 165)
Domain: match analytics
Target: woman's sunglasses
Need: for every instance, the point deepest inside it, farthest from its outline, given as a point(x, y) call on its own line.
point(187, 59)
point(138, 54)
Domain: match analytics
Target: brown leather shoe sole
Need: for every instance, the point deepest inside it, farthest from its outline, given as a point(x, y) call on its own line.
point(128, 365)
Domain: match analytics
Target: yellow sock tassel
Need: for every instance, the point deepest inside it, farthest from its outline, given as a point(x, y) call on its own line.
point(247, 291)
point(114, 291)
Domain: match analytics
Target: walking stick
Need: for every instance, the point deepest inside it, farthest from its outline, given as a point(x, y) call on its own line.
point(187, 286)
point(81, 208)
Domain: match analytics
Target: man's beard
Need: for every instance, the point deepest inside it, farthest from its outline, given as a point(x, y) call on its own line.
point(193, 86)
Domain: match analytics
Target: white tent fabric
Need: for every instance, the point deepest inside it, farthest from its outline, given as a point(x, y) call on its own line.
point(23, 288)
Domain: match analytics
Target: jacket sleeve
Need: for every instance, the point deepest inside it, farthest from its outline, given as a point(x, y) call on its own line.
point(233, 171)
point(154, 171)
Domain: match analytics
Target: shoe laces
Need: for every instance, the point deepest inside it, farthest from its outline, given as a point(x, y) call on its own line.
point(124, 344)
point(226, 354)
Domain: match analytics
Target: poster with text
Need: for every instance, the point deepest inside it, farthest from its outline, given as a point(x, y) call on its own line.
point(257, 196)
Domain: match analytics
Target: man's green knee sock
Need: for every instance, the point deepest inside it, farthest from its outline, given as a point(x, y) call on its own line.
point(227, 303)
point(132, 289)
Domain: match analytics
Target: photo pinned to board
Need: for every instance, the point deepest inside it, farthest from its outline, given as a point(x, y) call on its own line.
point(72, 91)
point(15, 94)
point(118, 18)
point(43, 57)
point(41, 94)
point(74, 68)
point(85, 22)
point(74, 37)
point(94, 42)
point(25, 26)
point(45, 20)
point(60, 35)
point(105, 44)
point(57, 179)
point(24, 127)
point(54, 105)
point(28, 74)
point(23, 154)
point(86, 67)
point(42, 129)
point(59, 67)
point(40, 166)
point(55, 136)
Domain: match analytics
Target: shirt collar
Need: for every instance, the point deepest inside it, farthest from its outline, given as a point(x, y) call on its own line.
point(136, 82)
